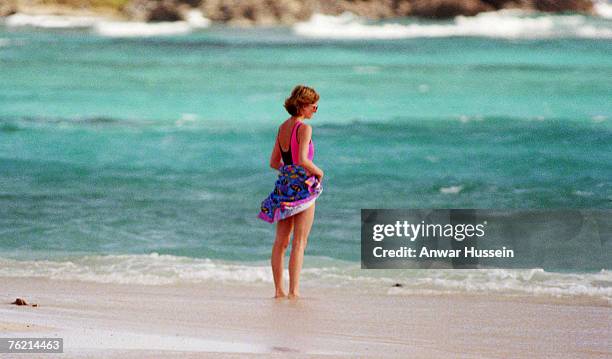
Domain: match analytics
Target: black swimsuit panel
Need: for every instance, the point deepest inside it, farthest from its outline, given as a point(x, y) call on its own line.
point(287, 158)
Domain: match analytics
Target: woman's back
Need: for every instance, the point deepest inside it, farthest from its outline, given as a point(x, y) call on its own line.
point(288, 142)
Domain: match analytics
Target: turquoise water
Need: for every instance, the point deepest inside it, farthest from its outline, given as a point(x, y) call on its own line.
point(141, 145)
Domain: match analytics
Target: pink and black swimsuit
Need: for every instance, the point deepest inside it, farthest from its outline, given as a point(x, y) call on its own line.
point(294, 191)
point(293, 155)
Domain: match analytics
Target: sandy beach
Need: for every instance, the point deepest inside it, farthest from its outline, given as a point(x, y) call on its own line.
point(224, 320)
point(135, 142)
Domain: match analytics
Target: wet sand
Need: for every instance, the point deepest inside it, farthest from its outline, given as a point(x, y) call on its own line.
point(233, 321)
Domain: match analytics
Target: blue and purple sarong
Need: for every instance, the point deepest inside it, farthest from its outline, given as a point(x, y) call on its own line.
point(293, 192)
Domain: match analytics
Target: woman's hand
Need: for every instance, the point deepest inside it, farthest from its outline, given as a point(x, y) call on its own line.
point(319, 176)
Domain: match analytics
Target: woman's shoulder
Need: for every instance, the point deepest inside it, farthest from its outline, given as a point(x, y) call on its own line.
point(304, 131)
point(306, 126)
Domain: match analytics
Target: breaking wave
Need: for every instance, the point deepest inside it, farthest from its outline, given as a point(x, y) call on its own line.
point(509, 24)
point(157, 269)
point(105, 27)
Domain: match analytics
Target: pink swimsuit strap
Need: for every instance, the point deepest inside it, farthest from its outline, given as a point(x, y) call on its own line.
point(295, 147)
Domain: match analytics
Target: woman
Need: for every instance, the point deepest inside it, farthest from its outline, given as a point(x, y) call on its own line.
point(292, 203)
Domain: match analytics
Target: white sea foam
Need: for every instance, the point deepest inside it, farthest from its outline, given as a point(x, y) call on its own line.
point(156, 269)
point(51, 21)
point(366, 69)
point(194, 20)
point(466, 118)
point(534, 282)
point(141, 29)
point(599, 118)
point(152, 269)
point(603, 9)
point(432, 159)
point(347, 26)
point(186, 119)
point(102, 26)
point(451, 189)
point(511, 24)
point(583, 193)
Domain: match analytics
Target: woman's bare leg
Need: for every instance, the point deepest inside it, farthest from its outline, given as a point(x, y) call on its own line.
point(302, 224)
point(283, 233)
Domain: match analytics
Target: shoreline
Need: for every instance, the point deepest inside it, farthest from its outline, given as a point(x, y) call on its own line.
point(278, 13)
point(221, 320)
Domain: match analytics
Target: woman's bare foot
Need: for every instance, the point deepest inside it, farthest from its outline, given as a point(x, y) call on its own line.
point(279, 295)
point(294, 295)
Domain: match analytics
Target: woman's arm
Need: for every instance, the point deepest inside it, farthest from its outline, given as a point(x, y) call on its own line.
point(275, 157)
point(304, 136)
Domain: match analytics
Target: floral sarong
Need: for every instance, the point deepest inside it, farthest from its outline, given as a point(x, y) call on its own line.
point(293, 192)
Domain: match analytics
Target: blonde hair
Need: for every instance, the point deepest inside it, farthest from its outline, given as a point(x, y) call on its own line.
point(300, 96)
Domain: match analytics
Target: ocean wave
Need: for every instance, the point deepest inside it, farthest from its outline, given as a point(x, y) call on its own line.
point(104, 27)
point(451, 189)
point(147, 269)
point(157, 269)
point(509, 24)
point(603, 9)
point(142, 29)
point(185, 122)
point(25, 123)
point(194, 20)
point(51, 21)
point(533, 282)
